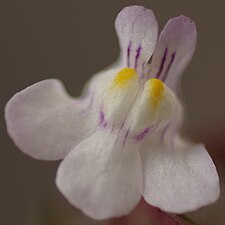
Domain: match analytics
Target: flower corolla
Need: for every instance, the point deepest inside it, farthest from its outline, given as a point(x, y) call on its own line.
point(121, 140)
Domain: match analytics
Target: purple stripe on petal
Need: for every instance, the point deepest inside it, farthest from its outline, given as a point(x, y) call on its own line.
point(102, 121)
point(163, 60)
point(101, 117)
point(104, 124)
point(128, 54)
point(168, 67)
point(139, 136)
point(125, 138)
point(138, 52)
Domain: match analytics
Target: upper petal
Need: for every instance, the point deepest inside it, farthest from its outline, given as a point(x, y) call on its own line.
point(174, 50)
point(179, 179)
point(102, 176)
point(45, 122)
point(137, 30)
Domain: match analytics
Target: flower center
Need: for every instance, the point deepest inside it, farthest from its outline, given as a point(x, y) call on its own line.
point(123, 77)
point(156, 87)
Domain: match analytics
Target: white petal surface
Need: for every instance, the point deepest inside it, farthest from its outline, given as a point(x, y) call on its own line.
point(45, 122)
point(181, 179)
point(114, 92)
point(97, 84)
point(174, 50)
point(137, 30)
point(154, 107)
point(119, 96)
point(102, 177)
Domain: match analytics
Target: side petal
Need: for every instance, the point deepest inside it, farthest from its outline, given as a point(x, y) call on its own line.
point(181, 179)
point(46, 123)
point(101, 176)
point(96, 84)
point(174, 50)
point(137, 30)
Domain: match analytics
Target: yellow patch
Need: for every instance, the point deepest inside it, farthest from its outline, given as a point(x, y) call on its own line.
point(123, 77)
point(156, 91)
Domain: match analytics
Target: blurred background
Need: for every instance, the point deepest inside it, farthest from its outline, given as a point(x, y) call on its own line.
point(72, 40)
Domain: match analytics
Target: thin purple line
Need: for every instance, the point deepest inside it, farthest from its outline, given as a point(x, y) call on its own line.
point(162, 63)
point(102, 121)
point(149, 130)
point(168, 67)
point(137, 56)
point(101, 116)
point(140, 136)
point(128, 54)
point(125, 138)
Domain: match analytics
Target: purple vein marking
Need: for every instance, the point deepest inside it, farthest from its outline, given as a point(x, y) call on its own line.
point(144, 132)
point(128, 54)
point(168, 67)
point(163, 60)
point(102, 121)
point(101, 116)
point(125, 138)
point(138, 52)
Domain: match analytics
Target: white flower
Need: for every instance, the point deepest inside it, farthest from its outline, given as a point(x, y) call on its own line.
point(121, 140)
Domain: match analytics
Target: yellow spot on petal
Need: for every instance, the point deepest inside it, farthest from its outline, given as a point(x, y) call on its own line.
point(123, 77)
point(156, 91)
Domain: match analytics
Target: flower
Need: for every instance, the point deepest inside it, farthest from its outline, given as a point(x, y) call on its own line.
point(121, 141)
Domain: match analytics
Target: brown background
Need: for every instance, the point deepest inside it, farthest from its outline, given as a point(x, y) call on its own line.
point(71, 40)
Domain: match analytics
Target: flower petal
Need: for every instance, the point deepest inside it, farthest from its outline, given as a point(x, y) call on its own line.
point(114, 92)
point(96, 84)
point(174, 50)
point(119, 96)
point(137, 30)
point(102, 176)
point(181, 179)
point(154, 108)
point(45, 122)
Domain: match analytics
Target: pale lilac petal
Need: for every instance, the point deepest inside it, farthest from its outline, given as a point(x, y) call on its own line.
point(102, 176)
point(179, 179)
point(137, 30)
point(174, 50)
point(154, 108)
point(98, 84)
point(46, 123)
point(114, 92)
